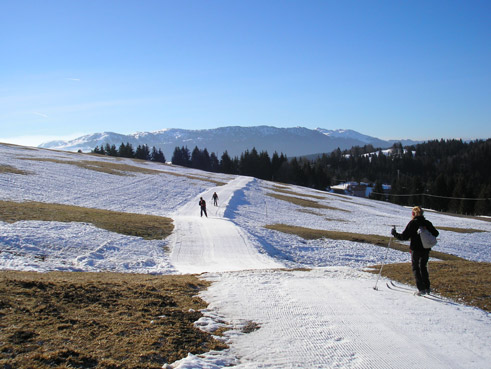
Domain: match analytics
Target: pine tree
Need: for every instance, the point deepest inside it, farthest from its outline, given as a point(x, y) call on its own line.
point(378, 191)
point(226, 165)
point(157, 155)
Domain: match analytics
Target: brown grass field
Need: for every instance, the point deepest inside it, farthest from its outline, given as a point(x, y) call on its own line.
point(99, 320)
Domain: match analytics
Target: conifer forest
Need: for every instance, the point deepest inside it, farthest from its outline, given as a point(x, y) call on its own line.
point(444, 175)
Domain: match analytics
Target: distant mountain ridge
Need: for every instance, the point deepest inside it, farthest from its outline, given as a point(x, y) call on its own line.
point(296, 141)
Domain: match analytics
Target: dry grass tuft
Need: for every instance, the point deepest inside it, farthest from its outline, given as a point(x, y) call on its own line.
point(4, 168)
point(383, 241)
point(99, 320)
point(465, 281)
point(303, 202)
point(290, 192)
point(150, 227)
point(308, 211)
point(460, 230)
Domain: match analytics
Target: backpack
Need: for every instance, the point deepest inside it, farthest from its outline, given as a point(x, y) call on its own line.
point(427, 239)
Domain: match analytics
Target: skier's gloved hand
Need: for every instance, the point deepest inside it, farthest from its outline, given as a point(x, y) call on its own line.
point(393, 232)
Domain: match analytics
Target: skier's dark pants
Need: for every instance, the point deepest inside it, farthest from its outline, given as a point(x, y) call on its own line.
point(419, 261)
point(203, 210)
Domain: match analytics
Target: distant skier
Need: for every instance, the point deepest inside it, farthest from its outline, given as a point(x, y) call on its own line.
point(419, 255)
point(215, 199)
point(202, 204)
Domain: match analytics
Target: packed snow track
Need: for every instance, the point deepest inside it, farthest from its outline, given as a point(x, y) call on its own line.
point(213, 243)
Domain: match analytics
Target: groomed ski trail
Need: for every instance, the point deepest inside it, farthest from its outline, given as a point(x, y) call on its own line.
point(214, 243)
point(332, 318)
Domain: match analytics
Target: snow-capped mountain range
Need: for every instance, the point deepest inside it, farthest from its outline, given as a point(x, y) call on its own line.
point(296, 141)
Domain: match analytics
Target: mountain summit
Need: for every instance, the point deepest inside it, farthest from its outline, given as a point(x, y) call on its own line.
point(296, 141)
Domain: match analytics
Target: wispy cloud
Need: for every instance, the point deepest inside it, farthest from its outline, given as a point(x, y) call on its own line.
point(40, 114)
point(73, 79)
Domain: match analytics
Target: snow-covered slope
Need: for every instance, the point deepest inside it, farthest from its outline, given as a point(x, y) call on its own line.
point(328, 316)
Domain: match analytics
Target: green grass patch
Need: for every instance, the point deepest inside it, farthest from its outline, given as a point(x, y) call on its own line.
point(150, 227)
point(99, 320)
point(383, 241)
point(464, 281)
point(303, 202)
point(4, 168)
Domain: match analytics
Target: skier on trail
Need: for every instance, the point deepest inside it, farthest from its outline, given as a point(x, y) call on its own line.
point(419, 255)
point(202, 204)
point(215, 199)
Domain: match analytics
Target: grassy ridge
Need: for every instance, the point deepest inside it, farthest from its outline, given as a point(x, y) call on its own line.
point(150, 227)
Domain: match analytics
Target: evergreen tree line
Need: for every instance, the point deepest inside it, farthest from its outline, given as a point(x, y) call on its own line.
point(444, 175)
point(126, 151)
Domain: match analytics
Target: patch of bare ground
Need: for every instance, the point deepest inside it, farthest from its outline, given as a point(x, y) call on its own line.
point(99, 320)
point(460, 230)
point(149, 227)
point(303, 202)
point(4, 168)
point(290, 192)
point(308, 211)
point(377, 240)
point(464, 281)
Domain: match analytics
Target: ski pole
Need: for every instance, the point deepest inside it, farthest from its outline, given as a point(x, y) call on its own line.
point(383, 262)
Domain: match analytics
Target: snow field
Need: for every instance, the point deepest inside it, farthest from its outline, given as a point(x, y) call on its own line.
point(326, 317)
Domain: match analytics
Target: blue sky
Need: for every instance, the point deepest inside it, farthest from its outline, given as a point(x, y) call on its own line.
point(389, 69)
